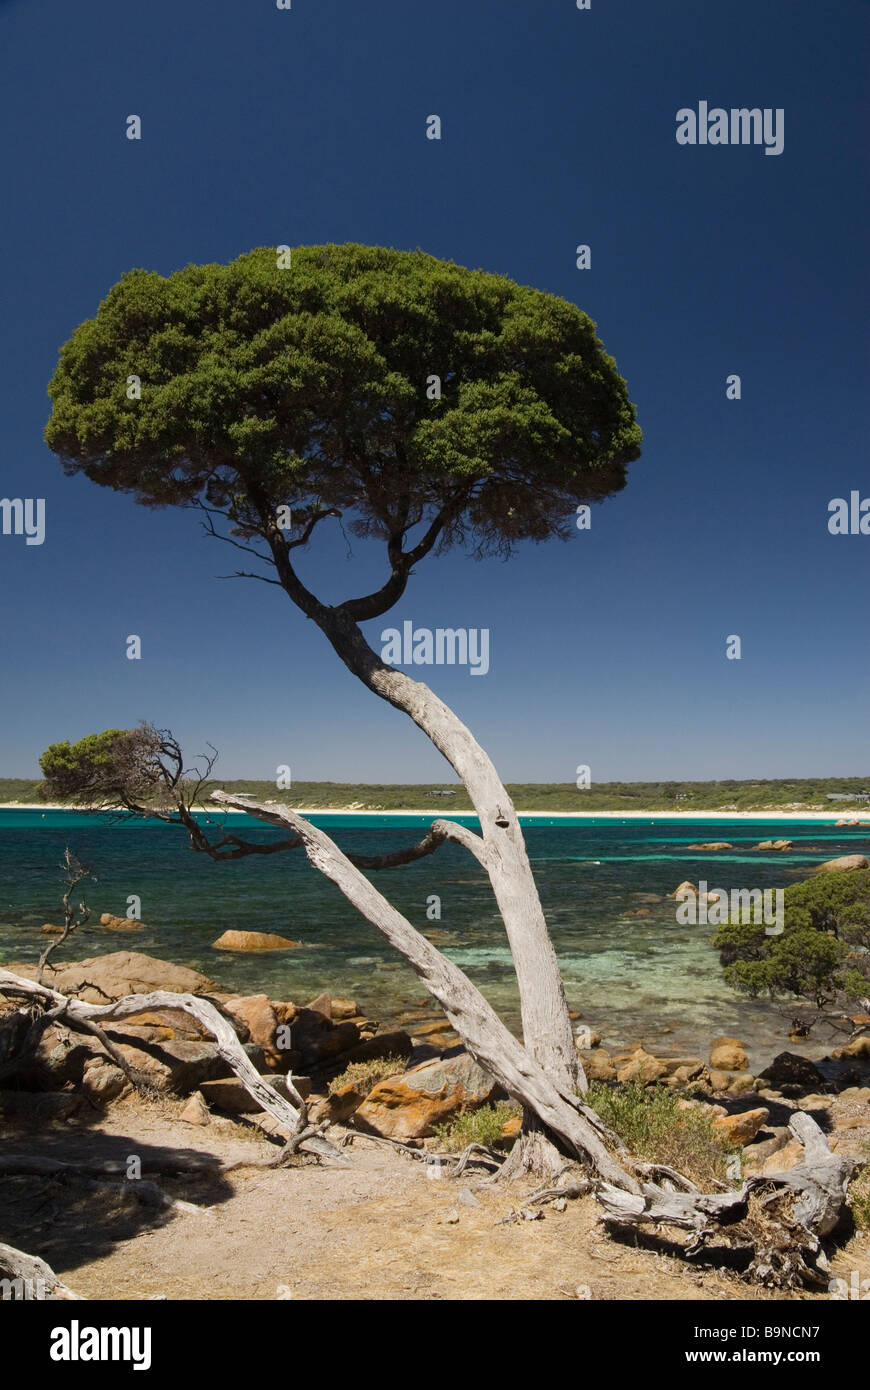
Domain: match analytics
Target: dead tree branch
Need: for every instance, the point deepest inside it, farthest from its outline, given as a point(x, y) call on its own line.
point(778, 1220)
point(75, 873)
point(221, 1030)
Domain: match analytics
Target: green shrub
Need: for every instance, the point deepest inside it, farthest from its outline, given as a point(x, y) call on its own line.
point(364, 1076)
point(859, 1196)
point(483, 1126)
point(650, 1123)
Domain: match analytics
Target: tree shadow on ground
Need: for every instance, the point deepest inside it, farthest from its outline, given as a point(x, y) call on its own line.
point(70, 1219)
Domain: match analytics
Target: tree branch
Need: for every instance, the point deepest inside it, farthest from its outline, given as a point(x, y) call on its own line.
point(246, 574)
point(312, 522)
point(373, 605)
point(440, 831)
point(204, 1012)
point(211, 530)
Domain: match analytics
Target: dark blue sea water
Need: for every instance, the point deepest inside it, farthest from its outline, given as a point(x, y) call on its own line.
point(635, 978)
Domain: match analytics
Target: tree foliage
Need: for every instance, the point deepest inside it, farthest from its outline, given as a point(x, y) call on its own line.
point(131, 768)
point(823, 950)
point(307, 387)
point(82, 772)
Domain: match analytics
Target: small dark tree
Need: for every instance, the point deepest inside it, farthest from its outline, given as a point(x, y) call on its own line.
point(822, 956)
point(140, 770)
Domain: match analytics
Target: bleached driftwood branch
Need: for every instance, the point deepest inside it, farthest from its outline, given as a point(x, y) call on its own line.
point(783, 1227)
point(229, 1047)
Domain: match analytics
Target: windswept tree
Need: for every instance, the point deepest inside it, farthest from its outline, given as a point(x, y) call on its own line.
point(423, 404)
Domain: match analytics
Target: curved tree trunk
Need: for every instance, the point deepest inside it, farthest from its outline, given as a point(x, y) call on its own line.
point(546, 1022)
point(547, 1031)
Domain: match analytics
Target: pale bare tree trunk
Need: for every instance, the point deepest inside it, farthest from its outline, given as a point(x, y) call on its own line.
point(36, 1279)
point(547, 1028)
point(547, 1031)
point(546, 1022)
point(557, 1110)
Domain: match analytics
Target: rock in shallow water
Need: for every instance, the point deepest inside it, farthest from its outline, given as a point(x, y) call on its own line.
point(253, 941)
point(844, 863)
point(728, 1054)
point(113, 923)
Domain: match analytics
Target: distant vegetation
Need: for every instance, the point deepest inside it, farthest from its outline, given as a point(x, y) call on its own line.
point(796, 794)
point(18, 789)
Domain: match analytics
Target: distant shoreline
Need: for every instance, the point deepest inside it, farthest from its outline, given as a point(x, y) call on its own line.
point(443, 813)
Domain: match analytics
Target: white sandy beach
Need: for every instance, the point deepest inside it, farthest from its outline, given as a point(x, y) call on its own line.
point(443, 812)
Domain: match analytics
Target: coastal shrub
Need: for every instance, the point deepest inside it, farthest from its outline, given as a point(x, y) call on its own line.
point(859, 1194)
point(483, 1126)
point(650, 1122)
point(365, 1075)
point(118, 767)
point(823, 951)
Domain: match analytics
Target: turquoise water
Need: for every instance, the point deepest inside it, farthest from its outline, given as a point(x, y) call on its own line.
point(635, 978)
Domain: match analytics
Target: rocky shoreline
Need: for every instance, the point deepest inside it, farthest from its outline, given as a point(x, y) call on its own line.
point(400, 1084)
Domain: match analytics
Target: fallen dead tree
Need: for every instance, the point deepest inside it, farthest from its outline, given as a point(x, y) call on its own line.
point(777, 1221)
point(292, 1114)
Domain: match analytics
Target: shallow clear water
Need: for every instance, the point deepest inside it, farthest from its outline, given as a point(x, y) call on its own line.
point(635, 978)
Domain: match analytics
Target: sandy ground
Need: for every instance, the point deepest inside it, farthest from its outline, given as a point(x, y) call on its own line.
point(378, 1230)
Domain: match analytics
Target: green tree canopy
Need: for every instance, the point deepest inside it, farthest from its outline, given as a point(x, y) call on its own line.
point(823, 950)
point(82, 771)
point(118, 767)
point(307, 387)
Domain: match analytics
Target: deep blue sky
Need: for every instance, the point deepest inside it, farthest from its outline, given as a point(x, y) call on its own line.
point(262, 127)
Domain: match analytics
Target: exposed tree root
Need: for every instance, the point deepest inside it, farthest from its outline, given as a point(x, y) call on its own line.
point(775, 1222)
point(475, 1153)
